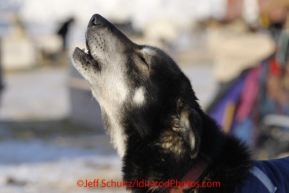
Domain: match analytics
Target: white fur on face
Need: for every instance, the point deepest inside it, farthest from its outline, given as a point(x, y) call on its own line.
point(109, 85)
point(138, 97)
point(110, 89)
point(111, 92)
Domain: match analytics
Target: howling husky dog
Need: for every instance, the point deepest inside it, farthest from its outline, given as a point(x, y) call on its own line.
point(154, 120)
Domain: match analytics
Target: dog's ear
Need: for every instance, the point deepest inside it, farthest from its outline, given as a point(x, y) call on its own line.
point(188, 123)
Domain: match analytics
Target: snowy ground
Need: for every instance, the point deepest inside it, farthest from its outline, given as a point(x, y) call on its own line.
point(39, 154)
point(56, 163)
point(61, 175)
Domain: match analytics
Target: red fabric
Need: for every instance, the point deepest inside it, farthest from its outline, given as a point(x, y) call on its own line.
point(275, 68)
point(192, 176)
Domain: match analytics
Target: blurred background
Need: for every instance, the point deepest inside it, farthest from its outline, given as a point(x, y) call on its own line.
point(235, 53)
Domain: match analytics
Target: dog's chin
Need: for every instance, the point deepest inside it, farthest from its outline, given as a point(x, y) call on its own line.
point(84, 58)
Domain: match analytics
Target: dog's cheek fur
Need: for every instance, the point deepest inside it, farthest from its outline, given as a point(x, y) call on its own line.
point(188, 124)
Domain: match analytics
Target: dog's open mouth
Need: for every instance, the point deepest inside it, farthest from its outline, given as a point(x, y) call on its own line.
point(84, 56)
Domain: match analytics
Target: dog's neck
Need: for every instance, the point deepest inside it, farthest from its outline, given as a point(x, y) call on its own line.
point(144, 160)
point(115, 130)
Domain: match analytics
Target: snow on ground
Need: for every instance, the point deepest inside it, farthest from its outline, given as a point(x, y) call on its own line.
point(55, 165)
point(60, 176)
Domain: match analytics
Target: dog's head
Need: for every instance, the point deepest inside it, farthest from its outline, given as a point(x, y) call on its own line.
point(139, 88)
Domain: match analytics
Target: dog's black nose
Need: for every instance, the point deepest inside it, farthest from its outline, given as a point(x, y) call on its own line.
point(95, 20)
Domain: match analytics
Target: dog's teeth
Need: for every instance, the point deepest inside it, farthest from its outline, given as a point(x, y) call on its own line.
point(85, 50)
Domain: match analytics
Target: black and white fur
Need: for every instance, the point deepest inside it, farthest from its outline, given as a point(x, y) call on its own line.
point(152, 115)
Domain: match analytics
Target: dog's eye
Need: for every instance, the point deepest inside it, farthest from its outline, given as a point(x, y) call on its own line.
point(143, 59)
